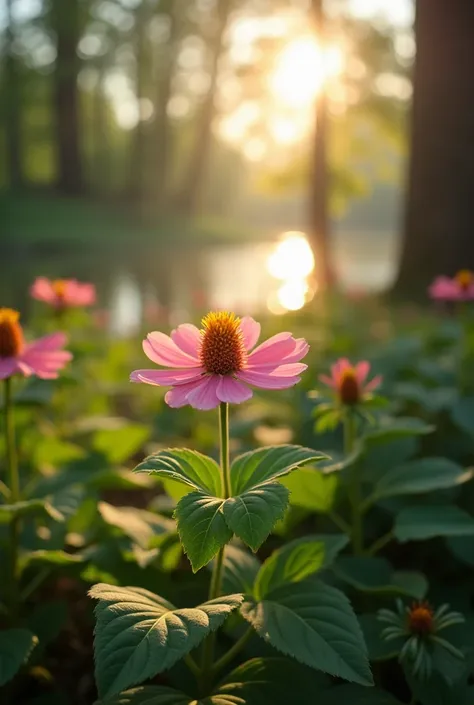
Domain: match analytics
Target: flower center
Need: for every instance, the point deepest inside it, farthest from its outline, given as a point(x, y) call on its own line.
point(222, 345)
point(59, 288)
point(11, 334)
point(420, 618)
point(464, 278)
point(349, 387)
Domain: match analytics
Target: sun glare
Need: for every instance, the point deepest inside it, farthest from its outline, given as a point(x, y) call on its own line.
point(291, 262)
point(301, 69)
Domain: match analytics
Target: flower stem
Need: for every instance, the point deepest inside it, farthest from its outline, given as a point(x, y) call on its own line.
point(14, 487)
point(233, 651)
point(216, 579)
point(224, 447)
point(354, 488)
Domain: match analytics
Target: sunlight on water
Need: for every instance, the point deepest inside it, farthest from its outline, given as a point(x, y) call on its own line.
point(126, 307)
point(291, 262)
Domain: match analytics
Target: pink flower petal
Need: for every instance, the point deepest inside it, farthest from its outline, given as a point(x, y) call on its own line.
point(165, 378)
point(362, 369)
point(188, 338)
point(48, 342)
point(204, 396)
point(178, 396)
point(327, 380)
point(8, 366)
point(232, 391)
point(159, 348)
point(250, 331)
point(301, 349)
point(42, 290)
point(373, 384)
point(339, 367)
point(272, 350)
point(267, 380)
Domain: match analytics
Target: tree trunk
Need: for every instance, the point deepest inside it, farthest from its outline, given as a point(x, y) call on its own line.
point(66, 24)
point(137, 155)
point(319, 223)
point(196, 171)
point(163, 136)
point(12, 107)
point(439, 217)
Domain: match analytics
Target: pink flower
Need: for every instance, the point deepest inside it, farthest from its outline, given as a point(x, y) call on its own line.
point(215, 364)
point(349, 381)
point(43, 357)
point(458, 288)
point(63, 293)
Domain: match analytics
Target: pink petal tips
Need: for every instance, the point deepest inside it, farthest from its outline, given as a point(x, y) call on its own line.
point(44, 357)
point(217, 363)
point(349, 381)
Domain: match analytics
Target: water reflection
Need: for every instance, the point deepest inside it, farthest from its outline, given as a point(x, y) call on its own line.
point(292, 262)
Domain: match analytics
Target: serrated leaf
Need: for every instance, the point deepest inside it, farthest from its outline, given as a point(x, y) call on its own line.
point(30, 507)
point(202, 528)
point(256, 682)
point(269, 464)
point(240, 569)
point(139, 634)
point(312, 489)
point(187, 467)
point(297, 560)
point(138, 524)
point(426, 522)
point(315, 624)
point(15, 648)
point(252, 515)
point(419, 476)
point(376, 575)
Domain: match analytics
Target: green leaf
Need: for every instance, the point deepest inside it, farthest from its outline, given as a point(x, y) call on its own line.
point(54, 451)
point(47, 620)
point(240, 570)
point(30, 507)
point(138, 524)
point(119, 444)
point(139, 634)
point(355, 695)
point(15, 648)
point(256, 682)
point(426, 522)
point(187, 467)
point(315, 624)
point(312, 489)
point(463, 414)
point(297, 560)
point(202, 528)
point(50, 558)
point(252, 514)
point(268, 464)
point(419, 476)
point(398, 428)
point(379, 649)
point(376, 575)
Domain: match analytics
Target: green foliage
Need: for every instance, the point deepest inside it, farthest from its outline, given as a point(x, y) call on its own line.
point(15, 648)
point(315, 624)
point(425, 522)
point(139, 634)
point(187, 467)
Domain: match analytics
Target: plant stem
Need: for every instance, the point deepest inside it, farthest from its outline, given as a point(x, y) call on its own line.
point(216, 579)
point(14, 487)
point(354, 488)
point(340, 522)
point(224, 447)
point(380, 543)
point(233, 651)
